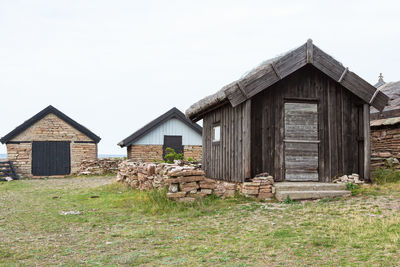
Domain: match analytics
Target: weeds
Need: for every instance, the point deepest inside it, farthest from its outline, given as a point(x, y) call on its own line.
point(383, 176)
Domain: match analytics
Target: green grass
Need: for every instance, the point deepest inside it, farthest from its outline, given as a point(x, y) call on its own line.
point(128, 227)
point(386, 175)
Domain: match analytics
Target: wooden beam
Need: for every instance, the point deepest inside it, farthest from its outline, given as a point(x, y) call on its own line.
point(301, 141)
point(343, 74)
point(241, 87)
point(310, 51)
point(373, 97)
point(246, 150)
point(367, 143)
point(276, 71)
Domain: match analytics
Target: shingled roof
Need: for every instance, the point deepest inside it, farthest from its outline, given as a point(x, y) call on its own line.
point(392, 109)
point(172, 113)
point(271, 71)
point(49, 110)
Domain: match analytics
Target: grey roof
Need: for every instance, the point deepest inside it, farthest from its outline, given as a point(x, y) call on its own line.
point(172, 113)
point(49, 110)
point(271, 71)
point(392, 90)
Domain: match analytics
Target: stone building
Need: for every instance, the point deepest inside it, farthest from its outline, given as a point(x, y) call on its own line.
point(385, 127)
point(172, 129)
point(50, 143)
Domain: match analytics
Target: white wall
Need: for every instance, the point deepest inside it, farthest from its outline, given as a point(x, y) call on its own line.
point(171, 127)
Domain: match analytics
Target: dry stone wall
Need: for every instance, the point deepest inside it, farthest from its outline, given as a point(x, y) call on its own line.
point(151, 153)
point(194, 152)
point(385, 147)
point(100, 166)
point(187, 182)
point(145, 153)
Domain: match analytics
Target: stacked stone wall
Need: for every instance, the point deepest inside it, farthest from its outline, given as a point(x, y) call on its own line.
point(187, 182)
point(145, 153)
point(385, 146)
point(152, 153)
point(102, 166)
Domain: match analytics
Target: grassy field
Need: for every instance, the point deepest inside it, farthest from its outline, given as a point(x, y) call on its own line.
point(112, 225)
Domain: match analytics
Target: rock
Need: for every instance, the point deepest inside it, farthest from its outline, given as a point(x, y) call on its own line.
point(265, 195)
point(185, 179)
point(250, 191)
point(392, 161)
point(8, 179)
point(71, 212)
point(384, 154)
point(173, 188)
point(151, 169)
point(264, 174)
point(206, 185)
point(187, 173)
point(251, 184)
point(176, 195)
point(206, 191)
point(186, 187)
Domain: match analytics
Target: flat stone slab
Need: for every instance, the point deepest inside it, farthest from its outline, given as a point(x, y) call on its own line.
point(303, 195)
point(308, 186)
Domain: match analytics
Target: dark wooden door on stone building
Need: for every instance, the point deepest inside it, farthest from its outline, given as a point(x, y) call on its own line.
point(301, 141)
point(174, 142)
point(51, 158)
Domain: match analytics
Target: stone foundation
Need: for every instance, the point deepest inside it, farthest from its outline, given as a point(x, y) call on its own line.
point(187, 182)
point(152, 153)
point(194, 152)
point(145, 153)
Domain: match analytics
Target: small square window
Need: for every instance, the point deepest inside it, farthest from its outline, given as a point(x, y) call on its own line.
point(216, 133)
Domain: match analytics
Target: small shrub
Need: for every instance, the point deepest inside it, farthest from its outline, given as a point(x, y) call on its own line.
point(383, 176)
point(350, 186)
point(190, 159)
point(172, 155)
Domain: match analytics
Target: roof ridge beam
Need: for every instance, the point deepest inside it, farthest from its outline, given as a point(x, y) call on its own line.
point(310, 51)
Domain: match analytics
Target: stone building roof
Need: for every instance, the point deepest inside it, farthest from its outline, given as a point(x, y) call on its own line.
point(49, 110)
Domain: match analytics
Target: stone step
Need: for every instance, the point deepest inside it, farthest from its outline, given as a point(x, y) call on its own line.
point(282, 195)
point(308, 186)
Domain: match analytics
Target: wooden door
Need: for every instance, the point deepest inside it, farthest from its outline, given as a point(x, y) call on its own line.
point(301, 141)
point(174, 142)
point(51, 158)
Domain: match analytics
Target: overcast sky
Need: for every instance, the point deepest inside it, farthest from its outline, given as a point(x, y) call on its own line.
point(113, 66)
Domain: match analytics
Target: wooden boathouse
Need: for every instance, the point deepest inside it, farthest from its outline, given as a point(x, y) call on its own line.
point(301, 116)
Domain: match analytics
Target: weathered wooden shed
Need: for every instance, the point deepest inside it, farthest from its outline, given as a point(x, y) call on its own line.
point(301, 116)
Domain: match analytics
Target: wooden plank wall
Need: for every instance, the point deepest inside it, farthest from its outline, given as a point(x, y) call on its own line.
point(341, 125)
point(228, 159)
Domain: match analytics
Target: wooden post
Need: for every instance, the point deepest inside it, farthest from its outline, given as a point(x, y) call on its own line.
point(247, 139)
point(367, 143)
point(310, 51)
